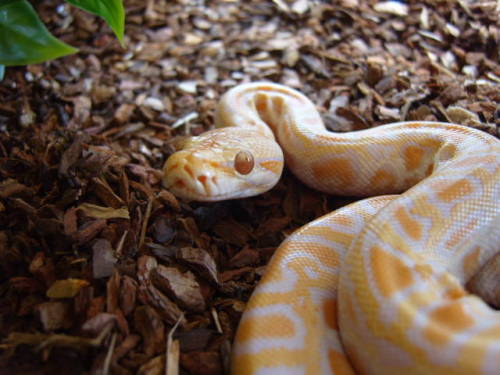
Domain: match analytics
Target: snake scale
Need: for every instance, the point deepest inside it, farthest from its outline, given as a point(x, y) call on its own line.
point(376, 287)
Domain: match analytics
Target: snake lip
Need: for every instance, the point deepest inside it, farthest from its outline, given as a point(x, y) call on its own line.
point(183, 182)
point(205, 183)
point(203, 180)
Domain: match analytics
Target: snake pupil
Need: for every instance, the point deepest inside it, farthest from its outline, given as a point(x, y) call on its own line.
point(243, 162)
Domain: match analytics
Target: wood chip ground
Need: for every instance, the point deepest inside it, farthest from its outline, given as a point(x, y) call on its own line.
point(104, 272)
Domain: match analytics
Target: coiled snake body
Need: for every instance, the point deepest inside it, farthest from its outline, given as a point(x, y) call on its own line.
point(375, 287)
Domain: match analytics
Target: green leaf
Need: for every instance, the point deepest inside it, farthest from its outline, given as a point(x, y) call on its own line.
point(110, 10)
point(2, 71)
point(24, 38)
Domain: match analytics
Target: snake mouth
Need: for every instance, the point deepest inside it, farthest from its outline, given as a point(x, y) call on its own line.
point(205, 187)
point(184, 181)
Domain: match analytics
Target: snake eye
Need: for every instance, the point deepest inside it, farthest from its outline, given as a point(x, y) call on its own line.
point(243, 162)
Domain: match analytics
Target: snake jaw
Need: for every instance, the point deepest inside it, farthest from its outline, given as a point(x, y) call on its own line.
point(183, 180)
point(211, 175)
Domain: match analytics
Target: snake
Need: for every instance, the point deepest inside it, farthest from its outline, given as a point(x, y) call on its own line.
point(377, 286)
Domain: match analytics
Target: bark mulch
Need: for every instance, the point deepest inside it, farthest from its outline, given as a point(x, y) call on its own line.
point(102, 270)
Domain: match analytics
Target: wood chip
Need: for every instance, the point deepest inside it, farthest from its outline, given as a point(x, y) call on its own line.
point(199, 259)
point(181, 286)
point(392, 7)
point(83, 139)
point(486, 282)
point(54, 315)
point(103, 259)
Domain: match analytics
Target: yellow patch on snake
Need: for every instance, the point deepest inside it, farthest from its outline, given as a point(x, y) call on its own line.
point(456, 191)
point(413, 157)
point(389, 283)
point(423, 298)
point(271, 165)
point(202, 179)
point(382, 179)
point(460, 234)
point(272, 326)
point(446, 321)
point(411, 226)
point(342, 168)
point(331, 258)
point(329, 233)
point(279, 356)
point(330, 313)
point(338, 363)
point(455, 293)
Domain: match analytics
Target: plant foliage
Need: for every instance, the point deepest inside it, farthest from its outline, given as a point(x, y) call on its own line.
point(110, 10)
point(24, 39)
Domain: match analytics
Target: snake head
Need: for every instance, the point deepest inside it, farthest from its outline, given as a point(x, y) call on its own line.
point(225, 163)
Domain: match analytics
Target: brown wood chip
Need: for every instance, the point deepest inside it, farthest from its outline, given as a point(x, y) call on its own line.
point(96, 253)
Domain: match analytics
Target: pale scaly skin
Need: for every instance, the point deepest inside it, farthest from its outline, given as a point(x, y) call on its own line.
point(375, 287)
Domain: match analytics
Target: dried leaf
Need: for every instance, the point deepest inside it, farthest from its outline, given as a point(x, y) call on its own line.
point(100, 212)
point(66, 288)
point(42, 341)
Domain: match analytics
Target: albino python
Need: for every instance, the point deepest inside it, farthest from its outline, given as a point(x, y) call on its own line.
point(375, 287)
